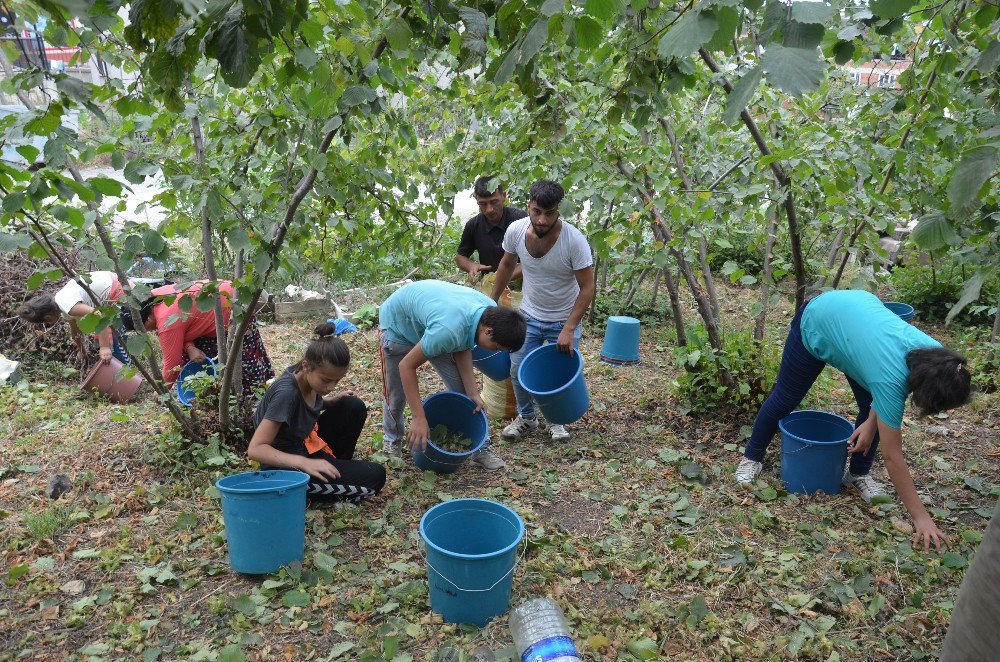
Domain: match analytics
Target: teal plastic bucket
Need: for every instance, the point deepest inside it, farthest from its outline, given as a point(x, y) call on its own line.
point(555, 381)
point(265, 516)
point(904, 310)
point(454, 411)
point(495, 364)
point(621, 341)
point(471, 555)
point(813, 451)
point(186, 395)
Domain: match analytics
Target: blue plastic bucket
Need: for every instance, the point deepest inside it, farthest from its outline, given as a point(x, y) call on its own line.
point(621, 341)
point(454, 411)
point(904, 310)
point(185, 395)
point(555, 381)
point(265, 516)
point(471, 555)
point(813, 451)
point(495, 364)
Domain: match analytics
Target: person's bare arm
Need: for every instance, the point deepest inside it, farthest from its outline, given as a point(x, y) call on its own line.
point(504, 272)
point(891, 442)
point(420, 431)
point(463, 360)
point(262, 450)
point(585, 278)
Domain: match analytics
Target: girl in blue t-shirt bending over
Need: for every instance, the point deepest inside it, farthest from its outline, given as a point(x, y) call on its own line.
point(885, 360)
point(302, 424)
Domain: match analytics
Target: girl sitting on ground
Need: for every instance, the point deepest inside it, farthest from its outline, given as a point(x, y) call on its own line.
point(302, 424)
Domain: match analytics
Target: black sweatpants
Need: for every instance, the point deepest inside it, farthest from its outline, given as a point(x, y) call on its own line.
point(340, 427)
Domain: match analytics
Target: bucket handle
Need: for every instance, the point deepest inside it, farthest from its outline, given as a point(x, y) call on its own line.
point(804, 447)
point(480, 590)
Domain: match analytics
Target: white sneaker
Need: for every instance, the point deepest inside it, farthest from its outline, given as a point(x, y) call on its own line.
point(748, 470)
point(519, 427)
point(487, 459)
point(867, 487)
point(392, 448)
point(558, 433)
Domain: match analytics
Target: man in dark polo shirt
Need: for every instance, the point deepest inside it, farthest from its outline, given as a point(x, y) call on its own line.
point(483, 233)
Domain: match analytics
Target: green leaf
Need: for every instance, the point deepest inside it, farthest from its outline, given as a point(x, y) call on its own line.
point(106, 186)
point(793, 70)
point(970, 292)
point(137, 344)
point(890, 8)
point(601, 9)
point(534, 40)
point(398, 34)
point(506, 68)
point(987, 60)
point(75, 88)
point(552, 7)
point(968, 177)
point(934, 232)
point(234, 48)
point(137, 170)
point(13, 202)
point(589, 32)
point(153, 242)
point(801, 35)
point(645, 648)
point(813, 12)
point(953, 560)
point(10, 243)
point(358, 94)
point(306, 57)
point(692, 30)
point(29, 152)
point(244, 604)
point(728, 21)
point(843, 52)
point(231, 653)
point(324, 561)
point(741, 95)
point(296, 599)
point(339, 649)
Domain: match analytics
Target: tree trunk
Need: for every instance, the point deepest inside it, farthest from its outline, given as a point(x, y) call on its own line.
point(766, 286)
point(995, 336)
point(783, 179)
point(706, 270)
point(302, 189)
point(208, 252)
point(675, 306)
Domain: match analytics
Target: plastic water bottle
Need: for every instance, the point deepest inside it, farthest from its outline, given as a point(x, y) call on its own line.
point(541, 632)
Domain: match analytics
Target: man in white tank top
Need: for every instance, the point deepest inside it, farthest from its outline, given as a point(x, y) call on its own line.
point(558, 272)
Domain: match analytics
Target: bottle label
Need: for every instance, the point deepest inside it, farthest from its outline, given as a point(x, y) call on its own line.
point(550, 648)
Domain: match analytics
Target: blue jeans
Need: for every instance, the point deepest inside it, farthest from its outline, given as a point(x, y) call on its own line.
point(538, 334)
point(799, 369)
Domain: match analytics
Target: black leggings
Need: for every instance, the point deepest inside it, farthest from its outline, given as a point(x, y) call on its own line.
point(340, 427)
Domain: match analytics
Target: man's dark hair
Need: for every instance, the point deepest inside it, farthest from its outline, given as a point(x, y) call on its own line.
point(546, 193)
point(938, 379)
point(482, 186)
point(509, 326)
point(37, 309)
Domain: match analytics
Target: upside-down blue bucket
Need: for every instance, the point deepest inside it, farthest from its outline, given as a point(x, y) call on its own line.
point(471, 555)
point(186, 395)
point(904, 310)
point(621, 341)
point(495, 364)
point(555, 381)
point(265, 516)
point(813, 451)
point(454, 411)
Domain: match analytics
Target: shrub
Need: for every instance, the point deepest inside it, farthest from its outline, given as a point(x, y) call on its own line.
point(753, 365)
point(933, 291)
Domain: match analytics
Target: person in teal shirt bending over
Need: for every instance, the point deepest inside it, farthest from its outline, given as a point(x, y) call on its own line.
point(431, 320)
point(885, 359)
